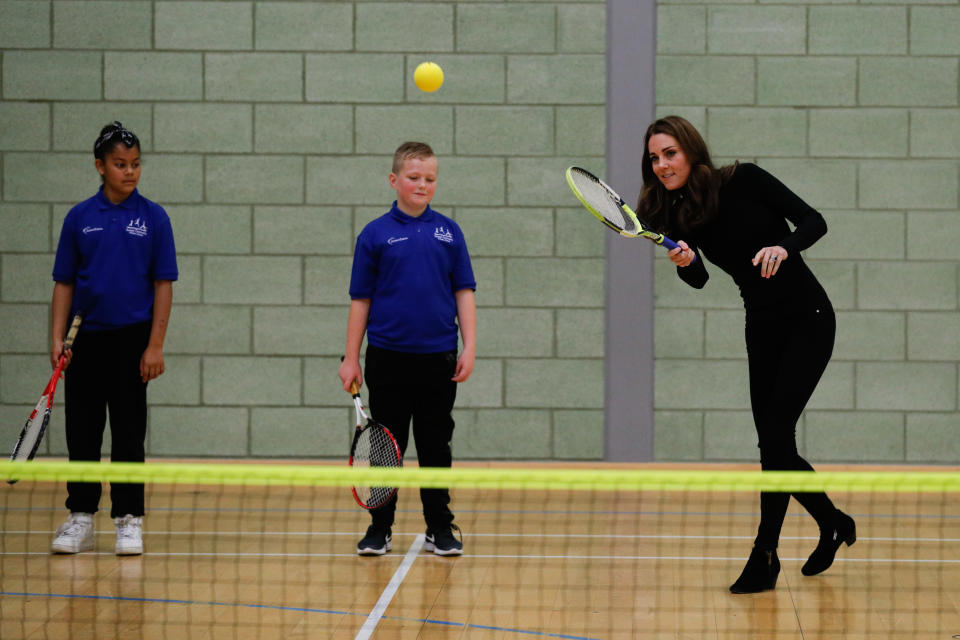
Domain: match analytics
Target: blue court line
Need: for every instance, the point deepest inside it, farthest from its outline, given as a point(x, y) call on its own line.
point(447, 623)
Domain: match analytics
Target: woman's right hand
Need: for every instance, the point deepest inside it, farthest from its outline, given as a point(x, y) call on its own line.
point(683, 255)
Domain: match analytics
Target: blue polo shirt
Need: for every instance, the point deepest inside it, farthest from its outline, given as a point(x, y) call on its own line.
point(410, 269)
point(113, 253)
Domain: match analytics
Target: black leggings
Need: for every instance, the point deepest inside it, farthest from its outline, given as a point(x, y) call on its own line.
point(417, 386)
point(104, 373)
point(788, 349)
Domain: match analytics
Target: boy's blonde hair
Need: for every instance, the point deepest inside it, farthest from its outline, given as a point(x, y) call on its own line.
point(409, 150)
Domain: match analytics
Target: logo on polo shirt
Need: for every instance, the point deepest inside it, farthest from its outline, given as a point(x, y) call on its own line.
point(87, 230)
point(137, 228)
point(443, 235)
point(393, 240)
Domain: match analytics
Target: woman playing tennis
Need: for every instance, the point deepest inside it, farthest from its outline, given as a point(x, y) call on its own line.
point(737, 217)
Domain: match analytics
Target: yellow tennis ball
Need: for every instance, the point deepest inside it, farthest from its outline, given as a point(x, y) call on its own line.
point(428, 76)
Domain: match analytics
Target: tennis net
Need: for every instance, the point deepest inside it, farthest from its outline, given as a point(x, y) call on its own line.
point(238, 550)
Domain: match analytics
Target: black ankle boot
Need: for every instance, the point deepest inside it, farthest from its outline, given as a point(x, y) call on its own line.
point(760, 574)
point(843, 529)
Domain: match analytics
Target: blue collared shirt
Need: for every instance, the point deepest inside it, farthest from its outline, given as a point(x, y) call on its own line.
point(113, 254)
point(410, 268)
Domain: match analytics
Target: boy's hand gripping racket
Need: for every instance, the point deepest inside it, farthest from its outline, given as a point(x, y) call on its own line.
point(36, 426)
point(609, 208)
point(373, 446)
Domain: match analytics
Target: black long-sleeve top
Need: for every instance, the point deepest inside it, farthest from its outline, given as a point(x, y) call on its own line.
point(753, 211)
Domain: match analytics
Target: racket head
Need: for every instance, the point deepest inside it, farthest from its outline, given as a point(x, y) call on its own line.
point(374, 446)
point(31, 435)
point(604, 203)
point(32, 432)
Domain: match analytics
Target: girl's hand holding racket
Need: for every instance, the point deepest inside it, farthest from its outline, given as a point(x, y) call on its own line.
point(682, 255)
point(58, 349)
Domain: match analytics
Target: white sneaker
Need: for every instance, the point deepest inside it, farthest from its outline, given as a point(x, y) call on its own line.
point(129, 535)
point(74, 535)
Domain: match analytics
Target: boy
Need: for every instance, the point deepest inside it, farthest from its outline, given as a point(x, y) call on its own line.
point(411, 285)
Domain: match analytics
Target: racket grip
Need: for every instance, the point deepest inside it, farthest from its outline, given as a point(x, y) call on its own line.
point(671, 245)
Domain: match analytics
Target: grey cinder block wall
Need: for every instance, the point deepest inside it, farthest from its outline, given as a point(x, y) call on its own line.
point(267, 129)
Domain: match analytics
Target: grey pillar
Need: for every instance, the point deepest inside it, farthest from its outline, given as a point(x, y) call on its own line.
point(628, 368)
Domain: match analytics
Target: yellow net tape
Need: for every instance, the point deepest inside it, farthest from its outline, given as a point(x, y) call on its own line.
point(572, 479)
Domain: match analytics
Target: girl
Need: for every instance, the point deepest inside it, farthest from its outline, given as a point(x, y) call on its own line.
point(115, 265)
point(737, 217)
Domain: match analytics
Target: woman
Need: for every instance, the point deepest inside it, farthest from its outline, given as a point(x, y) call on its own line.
point(737, 216)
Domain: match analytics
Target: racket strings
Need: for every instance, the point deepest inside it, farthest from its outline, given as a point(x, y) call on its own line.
point(602, 201)
point(375, 448)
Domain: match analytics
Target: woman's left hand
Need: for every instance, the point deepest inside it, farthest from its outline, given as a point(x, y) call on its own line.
point(769, 259)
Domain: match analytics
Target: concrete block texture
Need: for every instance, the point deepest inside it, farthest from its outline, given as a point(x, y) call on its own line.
point(907, 386)
point(26, 126)
point(807, 80)
point(27, 228)
point(25, 25)
point(908, 81)
point(861, 436)
point(300, 26)
point(756, 30)
point(482, 434)
point(154, 75)
point(204, 25)
point(81, 25)
point(393, 26)
point(52, 75)
point(506, 28)
point(933, 30)
point(77, 124)
point(578, 434)
point(858, 30)
point(932, 438)
point(213, 432)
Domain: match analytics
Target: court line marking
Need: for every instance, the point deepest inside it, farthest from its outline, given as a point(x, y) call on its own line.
point(277, 607)
point(370, 624)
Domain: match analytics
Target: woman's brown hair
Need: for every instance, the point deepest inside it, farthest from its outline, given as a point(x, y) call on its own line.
point(694, 204)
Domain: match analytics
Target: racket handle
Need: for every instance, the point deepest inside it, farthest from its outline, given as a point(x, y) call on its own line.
point(354, 388)
point(671, 245)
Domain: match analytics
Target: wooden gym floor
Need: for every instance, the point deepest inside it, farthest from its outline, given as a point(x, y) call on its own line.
point(279, 562)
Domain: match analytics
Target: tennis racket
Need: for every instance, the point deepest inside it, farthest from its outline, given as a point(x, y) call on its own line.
point(609, 208)
point(373, 446)
point(36, 426)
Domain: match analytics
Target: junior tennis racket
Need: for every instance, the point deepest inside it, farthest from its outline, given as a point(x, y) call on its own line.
point(36, 426)
point(609, 208)
point(373, 446)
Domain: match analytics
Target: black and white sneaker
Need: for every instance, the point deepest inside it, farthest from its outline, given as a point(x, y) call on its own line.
point(443, 543)
point(376, 543)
